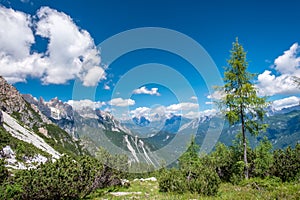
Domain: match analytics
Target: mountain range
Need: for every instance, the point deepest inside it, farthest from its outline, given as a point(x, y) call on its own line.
point(50, 129)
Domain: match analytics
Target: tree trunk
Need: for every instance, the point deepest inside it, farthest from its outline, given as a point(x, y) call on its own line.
point(246, 172)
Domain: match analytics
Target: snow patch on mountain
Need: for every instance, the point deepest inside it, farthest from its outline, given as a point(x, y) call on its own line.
point(30, 162)
point(131, 149)
point(148, 160)
point(21, 133)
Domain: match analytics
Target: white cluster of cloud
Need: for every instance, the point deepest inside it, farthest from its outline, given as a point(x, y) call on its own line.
point(141, 111)
point(286, 66)
point(194, 98)
point(144, 90)
point(71, 52)
point(186, 109)
point(184, 106)
point(85, 104)
point(286, 102)
point(120, 102)
point(216, 95)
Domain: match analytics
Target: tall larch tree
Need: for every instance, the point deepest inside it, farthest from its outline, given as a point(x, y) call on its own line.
point(241, 103)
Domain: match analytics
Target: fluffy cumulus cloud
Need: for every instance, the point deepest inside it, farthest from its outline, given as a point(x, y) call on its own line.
point(120, 102)
point(208, 112)
point(286, 102)
point(194, 98)
point(281, 82)
point(144, 90)
point(71, 52)
point(186, 109)
point(182, 107)
point(15, 59)
point(216, 95)
point(141, 111)
point(85, 104)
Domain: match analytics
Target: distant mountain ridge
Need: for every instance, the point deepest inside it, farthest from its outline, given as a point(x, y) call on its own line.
point(283, 130)
point(87, 129)
point(94, 128)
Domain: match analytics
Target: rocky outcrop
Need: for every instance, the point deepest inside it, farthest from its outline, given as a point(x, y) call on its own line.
point(58, 112)
point(12, 102)
point(1, 118)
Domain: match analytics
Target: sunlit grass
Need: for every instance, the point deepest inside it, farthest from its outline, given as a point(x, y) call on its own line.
point(149, 190)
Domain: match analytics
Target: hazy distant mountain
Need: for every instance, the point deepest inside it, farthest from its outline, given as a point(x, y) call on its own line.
point(283, 130)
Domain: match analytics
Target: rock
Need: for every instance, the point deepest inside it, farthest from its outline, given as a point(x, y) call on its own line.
point(58, 112)
point(1, 118)
point(151, 179)
point(125, 182)
point(117, 194)
point(146, 179)
point(12, 102)
point(43, 131)
point(8, 152)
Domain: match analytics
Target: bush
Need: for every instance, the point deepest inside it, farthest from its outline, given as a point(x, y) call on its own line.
point(263, 158)
point(172, 180)
point(268, 183)
point(3, 171)
point(62, 179)
point(194, 175)
point(205, 181)
point(287, 164)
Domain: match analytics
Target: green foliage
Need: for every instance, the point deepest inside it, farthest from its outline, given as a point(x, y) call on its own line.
point(61, 141)
point(259, 183)
point(263, 158)
point(172, 180)
point(241, 103)
point(118, 162)
point(3, 171)
point(287, 164)
point(190, 157)
point(21, 148)
point(65, 178)
point(241, 98)
point(222, 160)
point(195, 175)
point(228, 161)
point(237, 172)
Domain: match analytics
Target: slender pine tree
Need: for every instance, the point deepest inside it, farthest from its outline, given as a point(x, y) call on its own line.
point(241, 104)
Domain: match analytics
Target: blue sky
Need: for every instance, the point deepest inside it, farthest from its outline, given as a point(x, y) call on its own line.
point(268, 30)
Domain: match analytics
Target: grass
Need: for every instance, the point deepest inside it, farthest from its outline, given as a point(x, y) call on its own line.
point(150, 191)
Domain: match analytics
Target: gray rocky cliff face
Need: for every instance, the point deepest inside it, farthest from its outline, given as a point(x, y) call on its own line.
point(1, 118)
point(12, 102)
point(58, 112)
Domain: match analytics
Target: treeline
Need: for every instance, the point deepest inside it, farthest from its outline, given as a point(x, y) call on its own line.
point(203, 174)
point(71, 177)
point(65, 178)
point(84, 176)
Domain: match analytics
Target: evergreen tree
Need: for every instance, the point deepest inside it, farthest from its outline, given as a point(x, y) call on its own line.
point(264, 158)
point(189, 159)
point(241, 103)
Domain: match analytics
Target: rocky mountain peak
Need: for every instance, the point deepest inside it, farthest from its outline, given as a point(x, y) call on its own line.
point(10, 99)
point(12, 102)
